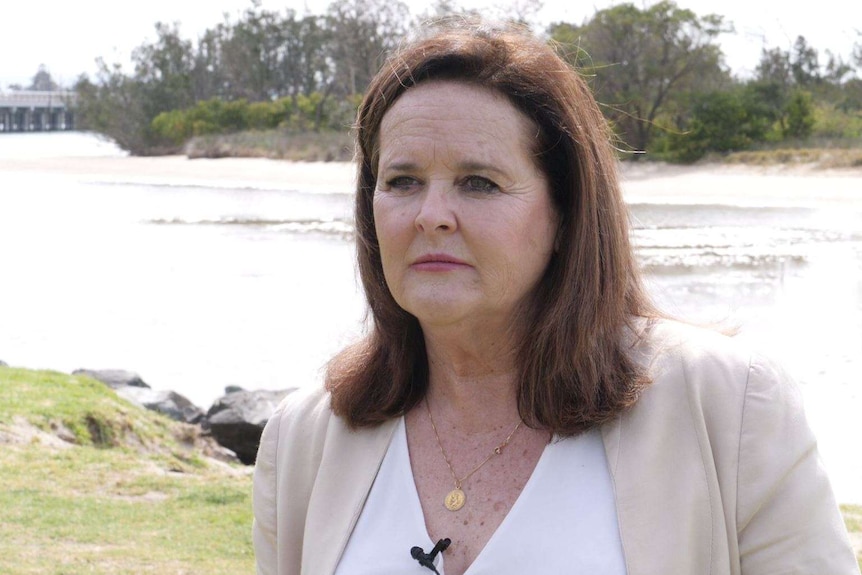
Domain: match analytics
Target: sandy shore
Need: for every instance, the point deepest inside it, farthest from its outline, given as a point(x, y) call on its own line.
point(838, 190)
point(643, 182)
point(257, 173)
point(743, 185)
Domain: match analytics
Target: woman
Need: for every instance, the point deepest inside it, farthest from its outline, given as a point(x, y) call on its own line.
point(517, 394)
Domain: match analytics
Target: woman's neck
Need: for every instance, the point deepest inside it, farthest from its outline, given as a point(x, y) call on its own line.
point(472, 381)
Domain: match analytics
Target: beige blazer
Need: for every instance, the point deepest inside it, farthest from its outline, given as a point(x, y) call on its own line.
point(715, 472)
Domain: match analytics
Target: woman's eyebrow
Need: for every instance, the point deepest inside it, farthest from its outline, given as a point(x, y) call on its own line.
point(465, 166)
point(475, 166)
point(400, 166)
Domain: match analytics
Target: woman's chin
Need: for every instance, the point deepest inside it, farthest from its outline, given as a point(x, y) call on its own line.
point(452, 315)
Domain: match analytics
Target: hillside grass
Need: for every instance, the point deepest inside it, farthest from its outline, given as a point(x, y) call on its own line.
point(821, 158)
point(853, 520)
point(337, 146)
point(92, 484)
point(324, 146)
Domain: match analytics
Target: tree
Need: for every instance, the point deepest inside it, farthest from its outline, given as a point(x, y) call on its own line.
point(722, 121)
point(306, 66)
point(42, 81)
point(114, 106)
point(363, 33)
point(250, 54)
point(804, 63)
point(641, 60)
point(774, 68)
point(857, 53)
point(800, 115)
point(784, 80)
point(163, 70)
point(836, 69)
point(123, 107)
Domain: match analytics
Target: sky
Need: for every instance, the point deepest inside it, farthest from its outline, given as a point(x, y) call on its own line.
point(67, 36)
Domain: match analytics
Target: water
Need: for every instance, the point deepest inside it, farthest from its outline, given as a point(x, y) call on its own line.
point(196, 287)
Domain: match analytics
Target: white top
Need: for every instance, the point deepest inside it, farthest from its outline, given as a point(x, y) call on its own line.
point(563, 522)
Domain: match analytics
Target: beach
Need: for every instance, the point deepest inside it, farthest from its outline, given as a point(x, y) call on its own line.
point(237, 173)
point(204, 273)
point(642, 181)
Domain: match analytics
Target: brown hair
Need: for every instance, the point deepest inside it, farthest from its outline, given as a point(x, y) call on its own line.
point(574, 370)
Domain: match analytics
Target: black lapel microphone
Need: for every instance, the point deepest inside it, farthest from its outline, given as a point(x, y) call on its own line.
point(427, 559)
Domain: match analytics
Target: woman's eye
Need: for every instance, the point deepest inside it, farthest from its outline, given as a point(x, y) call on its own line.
point(479, 184)
point(401, 183)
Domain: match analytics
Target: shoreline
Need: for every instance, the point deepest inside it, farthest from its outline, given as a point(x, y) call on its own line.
point(644, 182)
point(837, 193)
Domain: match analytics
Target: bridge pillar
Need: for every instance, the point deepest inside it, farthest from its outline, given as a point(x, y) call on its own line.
point(33, 111)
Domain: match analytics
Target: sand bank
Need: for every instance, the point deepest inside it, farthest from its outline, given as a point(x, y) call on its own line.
point(257, 173)
point(642, 182)
point(801, 185)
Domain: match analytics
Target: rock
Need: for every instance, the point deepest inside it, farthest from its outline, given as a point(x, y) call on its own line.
point(169, 403)
point(232, 389)
point(3, 363)
point(236, 420)
point(114, 378)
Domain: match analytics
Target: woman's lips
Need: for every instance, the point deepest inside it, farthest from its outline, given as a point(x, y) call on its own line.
point(437, 263)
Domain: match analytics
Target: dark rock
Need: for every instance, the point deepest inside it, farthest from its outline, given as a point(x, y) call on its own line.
point(236, 420)
point(232, 389)
point(114, 378)
point(169, 403)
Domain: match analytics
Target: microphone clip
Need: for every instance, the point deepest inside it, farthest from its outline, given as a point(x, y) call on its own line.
point(427, 559)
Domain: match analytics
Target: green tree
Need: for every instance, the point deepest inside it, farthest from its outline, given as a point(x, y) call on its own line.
point(250, 55)
point(123, 107)
point(804, 64)
point(163, 71)
point(836, 70)
point(113, 105)
point(642, 60)
point(363, 32)
point(722, 121)
point(306, 66)
point(851, 96)
point(856, 56)
point(784, 80)
point(800, 115)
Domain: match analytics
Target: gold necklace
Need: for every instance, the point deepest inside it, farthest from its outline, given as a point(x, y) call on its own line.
point(455, 499)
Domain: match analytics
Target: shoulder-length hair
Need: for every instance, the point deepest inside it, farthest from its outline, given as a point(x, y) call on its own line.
point(574, 371)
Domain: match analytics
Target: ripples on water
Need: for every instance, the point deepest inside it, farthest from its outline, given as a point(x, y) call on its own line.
point(197, 288)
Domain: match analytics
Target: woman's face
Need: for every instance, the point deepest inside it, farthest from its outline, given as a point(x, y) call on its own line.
point(463, 214)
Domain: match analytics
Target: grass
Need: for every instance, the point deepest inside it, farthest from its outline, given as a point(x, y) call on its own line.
point(323, 146)
point(824, 158)
point(337, 146)
point(125, 491)
point(853, 521)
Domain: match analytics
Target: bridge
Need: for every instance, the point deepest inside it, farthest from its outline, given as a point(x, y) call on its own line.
point(32, 111)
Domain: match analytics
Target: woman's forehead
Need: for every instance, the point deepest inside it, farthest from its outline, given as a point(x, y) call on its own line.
point(455, 114)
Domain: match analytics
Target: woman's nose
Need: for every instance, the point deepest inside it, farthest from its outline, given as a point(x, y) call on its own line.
point(436, 210)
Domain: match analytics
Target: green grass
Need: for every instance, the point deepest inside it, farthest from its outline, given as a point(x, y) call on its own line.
point(818, 157)
point(324, 146)
point(126, 492)
point(853, 520)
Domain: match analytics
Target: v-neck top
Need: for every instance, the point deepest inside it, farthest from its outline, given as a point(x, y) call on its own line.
point(563, 522)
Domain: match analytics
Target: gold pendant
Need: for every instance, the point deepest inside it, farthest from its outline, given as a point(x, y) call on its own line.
point(455, 500)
